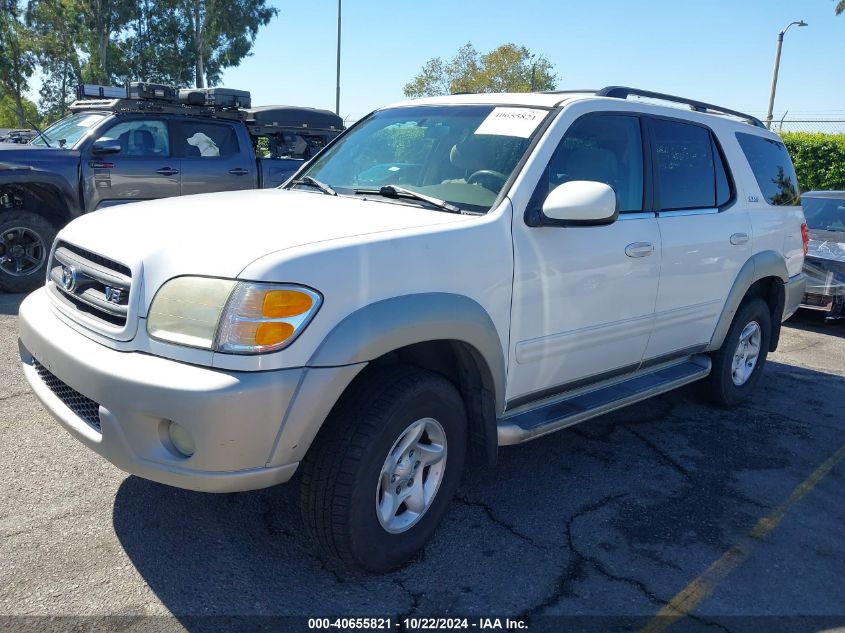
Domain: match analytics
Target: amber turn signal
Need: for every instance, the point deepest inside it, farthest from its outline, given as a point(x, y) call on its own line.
point(280, 304)
point(272, 333)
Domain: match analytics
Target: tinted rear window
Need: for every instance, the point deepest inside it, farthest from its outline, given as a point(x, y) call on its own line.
point(772, 168)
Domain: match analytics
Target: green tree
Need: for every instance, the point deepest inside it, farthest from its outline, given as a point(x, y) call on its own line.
point(9, 112)
point(508, 68)
point(840, 7)
point(222, 33)
point(17, 61)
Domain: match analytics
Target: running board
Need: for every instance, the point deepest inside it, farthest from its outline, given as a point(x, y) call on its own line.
point(585, 404)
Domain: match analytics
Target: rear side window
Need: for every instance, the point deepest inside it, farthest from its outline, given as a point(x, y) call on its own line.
point(772, 168)
point(690, 169)
point(207, 140)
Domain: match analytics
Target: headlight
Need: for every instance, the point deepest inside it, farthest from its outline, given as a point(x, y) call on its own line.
point(238, 317)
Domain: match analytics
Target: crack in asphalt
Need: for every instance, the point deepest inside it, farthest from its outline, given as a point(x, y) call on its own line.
point(661, 454)
point(416, 599)
point(491, 514)
point(17, 394)
point(575, 570)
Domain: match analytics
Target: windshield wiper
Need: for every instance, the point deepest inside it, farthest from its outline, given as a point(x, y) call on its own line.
point(308, 180)
point(392, 191)
point(40, 133)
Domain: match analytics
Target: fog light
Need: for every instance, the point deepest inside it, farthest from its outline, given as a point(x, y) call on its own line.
point(181, 439)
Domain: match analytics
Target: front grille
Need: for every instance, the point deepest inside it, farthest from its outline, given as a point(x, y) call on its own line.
point(92, 284)
point(84, 407)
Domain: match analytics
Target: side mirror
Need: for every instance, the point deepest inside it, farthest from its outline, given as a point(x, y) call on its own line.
point(581, 203)
point(106, 145)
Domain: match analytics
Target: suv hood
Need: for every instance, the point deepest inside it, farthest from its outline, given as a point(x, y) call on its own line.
point(219, 234)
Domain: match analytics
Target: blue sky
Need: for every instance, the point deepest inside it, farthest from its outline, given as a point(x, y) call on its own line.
point(719, 51)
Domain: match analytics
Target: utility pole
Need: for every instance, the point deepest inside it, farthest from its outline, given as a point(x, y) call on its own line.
point(770, 115)
point(337, 95)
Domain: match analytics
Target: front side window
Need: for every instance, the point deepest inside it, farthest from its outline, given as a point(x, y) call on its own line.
point(603, 148)
point(141, 138)
point(686, 168)
point(69, 131)
point(772, 168)
point(462, 154)
point(197, 139)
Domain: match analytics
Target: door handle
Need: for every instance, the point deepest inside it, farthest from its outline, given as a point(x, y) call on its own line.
point(167, 171)
point(738, 239)
point(239, 171)
point(639, 249)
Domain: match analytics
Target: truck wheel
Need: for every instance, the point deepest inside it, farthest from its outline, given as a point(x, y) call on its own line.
point(737, 365)
point(380, 475)
point(25, 242)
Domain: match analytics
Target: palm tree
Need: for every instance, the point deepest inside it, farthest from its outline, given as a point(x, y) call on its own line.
point(840, 7)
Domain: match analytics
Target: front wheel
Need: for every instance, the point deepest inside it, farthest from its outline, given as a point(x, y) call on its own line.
point(25, 241)
point(381, 474)
point(738, 363)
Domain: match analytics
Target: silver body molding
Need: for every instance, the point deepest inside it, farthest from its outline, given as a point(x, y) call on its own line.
point(760, 265)
point(387, 325)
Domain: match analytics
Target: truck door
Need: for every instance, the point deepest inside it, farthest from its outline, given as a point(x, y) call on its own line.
point(583, 296)
point(213, 156)
point(143, 169)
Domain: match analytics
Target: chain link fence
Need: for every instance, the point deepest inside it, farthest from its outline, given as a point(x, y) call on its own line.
point(828, 126)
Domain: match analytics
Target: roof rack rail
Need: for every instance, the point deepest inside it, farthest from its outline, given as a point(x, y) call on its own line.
point(158, 107)
point(623, 92)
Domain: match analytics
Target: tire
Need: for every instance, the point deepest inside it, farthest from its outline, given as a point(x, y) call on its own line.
point(344, 470)
point(727, 386)
point(24, 237)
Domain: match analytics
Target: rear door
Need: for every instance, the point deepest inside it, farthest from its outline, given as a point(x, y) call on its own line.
point(705, 235)
point(144, 169)
point(214, 157)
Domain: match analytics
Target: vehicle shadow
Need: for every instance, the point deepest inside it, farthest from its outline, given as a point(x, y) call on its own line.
point(651, 492)
point(11, 303)
point(810, 321)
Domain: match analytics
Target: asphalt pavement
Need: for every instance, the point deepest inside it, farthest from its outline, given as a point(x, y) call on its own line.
point(715, 519)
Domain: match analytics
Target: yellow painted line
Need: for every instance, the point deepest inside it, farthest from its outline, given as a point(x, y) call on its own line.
point(695, 592)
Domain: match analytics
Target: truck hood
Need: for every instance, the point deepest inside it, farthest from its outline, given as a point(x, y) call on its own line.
point(220, 234)
point(26, 157)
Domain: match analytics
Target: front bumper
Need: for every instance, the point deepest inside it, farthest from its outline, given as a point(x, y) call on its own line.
point(235, 418)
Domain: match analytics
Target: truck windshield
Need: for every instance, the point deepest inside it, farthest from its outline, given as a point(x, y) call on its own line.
point(70, 130)
point(459, 154)
point(824, 214)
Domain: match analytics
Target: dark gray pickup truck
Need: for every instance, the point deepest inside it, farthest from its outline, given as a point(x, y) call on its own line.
point(113, 151)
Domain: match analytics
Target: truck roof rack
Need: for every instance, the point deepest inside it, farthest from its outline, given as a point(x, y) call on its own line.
point(155, 106)
point(623, 92)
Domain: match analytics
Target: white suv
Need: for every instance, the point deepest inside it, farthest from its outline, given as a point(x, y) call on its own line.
point(450, 276)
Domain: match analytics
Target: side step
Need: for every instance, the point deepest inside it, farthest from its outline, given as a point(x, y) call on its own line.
point(582, 405)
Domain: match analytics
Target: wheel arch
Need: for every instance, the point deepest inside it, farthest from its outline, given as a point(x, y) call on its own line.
point(42, 193)
point(764, 275)
point(445, 333)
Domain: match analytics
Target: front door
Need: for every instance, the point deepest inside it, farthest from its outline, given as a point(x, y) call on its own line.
point(706, 237)
point(144, 169)
point(583, 298)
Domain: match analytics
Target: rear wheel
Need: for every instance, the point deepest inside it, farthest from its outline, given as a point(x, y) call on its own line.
point(738, 363)
point(381, 474)
point(25, 241)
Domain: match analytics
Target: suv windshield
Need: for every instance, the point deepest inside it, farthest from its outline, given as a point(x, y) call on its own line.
point(459, 154)
point(824, 214)
point(70, 130)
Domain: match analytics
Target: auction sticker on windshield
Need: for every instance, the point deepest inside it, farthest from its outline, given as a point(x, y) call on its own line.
point(519, 122)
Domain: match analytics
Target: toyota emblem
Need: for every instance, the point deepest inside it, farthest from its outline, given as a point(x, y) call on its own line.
point(69, 278)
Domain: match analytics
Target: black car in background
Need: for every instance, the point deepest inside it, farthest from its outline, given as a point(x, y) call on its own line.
point(825, 261)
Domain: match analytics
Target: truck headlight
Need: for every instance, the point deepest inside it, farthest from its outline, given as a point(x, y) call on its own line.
point(236, 317)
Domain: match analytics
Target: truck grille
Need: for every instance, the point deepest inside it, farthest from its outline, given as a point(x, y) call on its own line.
point(90, 283)
point(84, 407)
